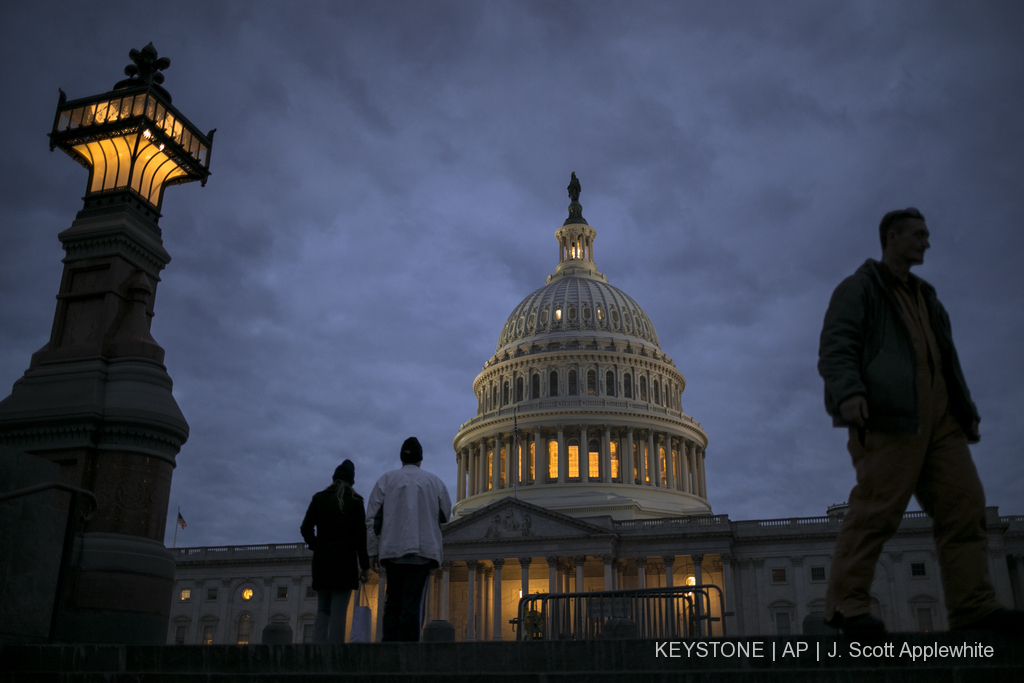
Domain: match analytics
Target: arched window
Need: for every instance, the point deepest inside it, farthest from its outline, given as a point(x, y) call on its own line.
point(609, 383)
point(494, 397)
point(663, 461)
point(574, 459)
point(244, 629)
point(504, 394)
point(594, 459)
point(636, 463)
point(553, 383)
point(643, 388)
point(519, 389)
point(613, 445)
point(591, 383)
point(657, 393)
point(535, 388)
point(533, 461)
point(573, 388)
point(627, 385)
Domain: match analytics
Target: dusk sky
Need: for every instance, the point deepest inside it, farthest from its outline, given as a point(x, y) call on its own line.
point(388, 177)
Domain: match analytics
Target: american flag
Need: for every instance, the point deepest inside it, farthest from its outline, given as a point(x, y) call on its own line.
point(181, 520)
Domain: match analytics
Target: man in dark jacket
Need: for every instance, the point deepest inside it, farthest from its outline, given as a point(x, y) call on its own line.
point(892, 377)
point(334, 528)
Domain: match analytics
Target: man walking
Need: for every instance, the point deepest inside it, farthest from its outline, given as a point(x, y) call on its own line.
point(403, 519)
point(892, 377)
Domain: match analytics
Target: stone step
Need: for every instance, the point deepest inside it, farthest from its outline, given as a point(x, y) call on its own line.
point(726, 660)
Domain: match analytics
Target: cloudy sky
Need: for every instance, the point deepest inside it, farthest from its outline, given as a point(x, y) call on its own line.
point(387, 179)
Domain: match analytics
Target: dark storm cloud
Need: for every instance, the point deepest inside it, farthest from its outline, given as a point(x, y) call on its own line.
point(388, 178)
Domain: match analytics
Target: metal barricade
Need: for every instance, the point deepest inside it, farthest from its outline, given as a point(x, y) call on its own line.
point(654, 613)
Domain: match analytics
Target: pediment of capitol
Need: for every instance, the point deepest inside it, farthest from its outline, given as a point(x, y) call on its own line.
point(514, 526)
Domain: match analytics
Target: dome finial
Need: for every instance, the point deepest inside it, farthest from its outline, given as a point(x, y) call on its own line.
point(575, 208)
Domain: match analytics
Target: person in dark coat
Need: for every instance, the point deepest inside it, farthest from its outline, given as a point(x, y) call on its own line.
point(893, 378)
point(335, 530)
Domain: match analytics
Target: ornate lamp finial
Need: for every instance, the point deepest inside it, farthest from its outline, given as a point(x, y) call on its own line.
point(575, 208)
point(147, 66)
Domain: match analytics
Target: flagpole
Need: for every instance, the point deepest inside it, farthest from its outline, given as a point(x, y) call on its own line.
point(176, 528)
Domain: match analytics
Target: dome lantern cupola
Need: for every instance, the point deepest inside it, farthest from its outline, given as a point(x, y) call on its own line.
point(576, 241)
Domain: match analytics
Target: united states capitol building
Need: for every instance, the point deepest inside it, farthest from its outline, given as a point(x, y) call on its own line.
point(603, 489)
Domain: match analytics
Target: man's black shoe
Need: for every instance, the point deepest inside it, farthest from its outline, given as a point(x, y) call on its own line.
point(1001, 620)
point(864, 625)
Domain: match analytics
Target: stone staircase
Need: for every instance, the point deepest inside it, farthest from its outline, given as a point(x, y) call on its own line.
point(728, 660)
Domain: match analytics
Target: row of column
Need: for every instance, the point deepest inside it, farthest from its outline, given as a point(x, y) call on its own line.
point(684, 460)
point(559, 572)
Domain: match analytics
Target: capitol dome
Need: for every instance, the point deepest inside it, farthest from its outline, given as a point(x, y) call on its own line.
point(579, 410)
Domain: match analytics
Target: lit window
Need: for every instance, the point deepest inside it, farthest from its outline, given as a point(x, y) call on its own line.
point(244, 628)
point(594, 460)
point(533, 460)
point(600, 313)
point(917, 569)
point(247, 594)
point(614, 446)
point(817, 573)
point(186, 594)
point(664, 467)
point(558, 313)
point(779, 575)
point(552, 459)
point(574, 459)
point(691, 581)
point(282, 592)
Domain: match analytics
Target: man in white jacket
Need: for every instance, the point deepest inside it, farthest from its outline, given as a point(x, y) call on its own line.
point(403, 532)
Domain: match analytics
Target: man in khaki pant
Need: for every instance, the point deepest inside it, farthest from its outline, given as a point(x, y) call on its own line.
point(892, 377)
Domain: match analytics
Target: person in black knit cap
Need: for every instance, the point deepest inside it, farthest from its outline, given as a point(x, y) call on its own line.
point(335, 530)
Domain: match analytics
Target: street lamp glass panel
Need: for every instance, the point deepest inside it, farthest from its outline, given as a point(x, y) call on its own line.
point(105, 137)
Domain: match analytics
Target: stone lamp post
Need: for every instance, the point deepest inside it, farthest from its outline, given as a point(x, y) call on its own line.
point(96, 398)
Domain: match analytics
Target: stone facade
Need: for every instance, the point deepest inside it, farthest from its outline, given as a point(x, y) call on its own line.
point(773, 572)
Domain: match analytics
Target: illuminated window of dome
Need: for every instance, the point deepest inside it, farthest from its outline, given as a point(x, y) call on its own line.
point(247, 594)
point(558, 313)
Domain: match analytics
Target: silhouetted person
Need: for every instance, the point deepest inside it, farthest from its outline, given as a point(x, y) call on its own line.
point(335, 530)
point(404, 517)
point(892, 377)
